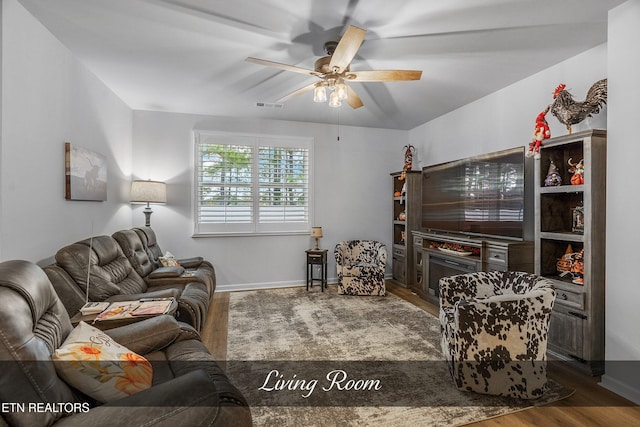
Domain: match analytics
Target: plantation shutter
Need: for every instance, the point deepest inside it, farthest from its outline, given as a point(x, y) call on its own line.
point(251, 184)
point(283, 187)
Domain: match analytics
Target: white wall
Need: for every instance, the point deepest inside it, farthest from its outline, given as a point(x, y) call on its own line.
point(506, 118)
point(352, 190)
point(623, 204)
point(48, 98)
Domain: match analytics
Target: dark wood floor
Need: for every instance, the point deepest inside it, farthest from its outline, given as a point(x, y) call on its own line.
point(591, 405)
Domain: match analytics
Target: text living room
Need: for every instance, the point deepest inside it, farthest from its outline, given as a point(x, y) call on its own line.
point(250, 323)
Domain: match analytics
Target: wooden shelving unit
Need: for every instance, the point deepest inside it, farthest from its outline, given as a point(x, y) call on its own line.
point(407, 205)
point(576, 331)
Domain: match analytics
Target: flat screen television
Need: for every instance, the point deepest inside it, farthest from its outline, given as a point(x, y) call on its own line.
point(482, 195)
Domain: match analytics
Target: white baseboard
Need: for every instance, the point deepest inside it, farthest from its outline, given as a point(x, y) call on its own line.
point(272, 285)
point(267, 285)
point(620, 388)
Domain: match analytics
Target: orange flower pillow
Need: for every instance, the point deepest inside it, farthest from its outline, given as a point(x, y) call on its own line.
point(95, 364)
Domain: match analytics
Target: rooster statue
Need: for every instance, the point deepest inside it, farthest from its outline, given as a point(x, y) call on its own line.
point(570, 112)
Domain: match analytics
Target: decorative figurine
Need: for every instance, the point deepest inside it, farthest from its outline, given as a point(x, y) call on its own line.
point(553, 176)
point(577, 269)
point(408, 160)
point(565, 263)
point(540, 133)
point(578, 219)
point(570, 112)
point(577, 169)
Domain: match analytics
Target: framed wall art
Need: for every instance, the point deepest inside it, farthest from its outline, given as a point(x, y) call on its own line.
point(85, 174)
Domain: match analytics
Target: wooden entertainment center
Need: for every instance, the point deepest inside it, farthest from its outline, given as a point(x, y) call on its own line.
point(434, 260)
point(576, 335)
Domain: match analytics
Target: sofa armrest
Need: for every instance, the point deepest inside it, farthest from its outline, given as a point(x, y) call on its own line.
point(192, 262)
point(147, 335)
point(186, 400)
point(162, 272)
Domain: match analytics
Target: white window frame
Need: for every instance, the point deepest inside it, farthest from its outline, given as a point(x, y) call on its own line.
point(254, 228)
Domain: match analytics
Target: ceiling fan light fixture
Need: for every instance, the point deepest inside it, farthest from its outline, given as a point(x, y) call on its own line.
point(341, 90)
point(320, 93)
point(335, 68)
point(334, 99)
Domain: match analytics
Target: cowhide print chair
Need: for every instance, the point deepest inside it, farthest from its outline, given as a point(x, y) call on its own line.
point(360, 265)
point(494, 331)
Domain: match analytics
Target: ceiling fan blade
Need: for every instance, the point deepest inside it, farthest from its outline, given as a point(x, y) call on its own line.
point(282, 66)
point(353, 99)
point(347, 48)
point(384, 75)
point(297, 92)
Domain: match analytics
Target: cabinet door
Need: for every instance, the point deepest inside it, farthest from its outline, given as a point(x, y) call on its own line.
point(399, 265)
point(566, 334)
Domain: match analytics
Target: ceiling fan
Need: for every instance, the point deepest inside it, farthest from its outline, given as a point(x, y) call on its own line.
point(334, 72)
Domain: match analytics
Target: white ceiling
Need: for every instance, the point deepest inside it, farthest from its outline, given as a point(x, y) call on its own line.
point(189, 55)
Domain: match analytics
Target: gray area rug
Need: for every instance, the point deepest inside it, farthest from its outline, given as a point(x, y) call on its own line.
point(322, 359)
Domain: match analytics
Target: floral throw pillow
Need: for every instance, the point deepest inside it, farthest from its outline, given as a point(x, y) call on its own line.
point(168, 260)
point(95, 364)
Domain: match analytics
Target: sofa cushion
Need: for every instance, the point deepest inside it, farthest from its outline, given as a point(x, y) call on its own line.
point(95, 364)
point(110, 271)
point(134, 250)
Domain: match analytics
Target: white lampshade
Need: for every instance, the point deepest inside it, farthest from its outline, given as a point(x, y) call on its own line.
point(148, 192)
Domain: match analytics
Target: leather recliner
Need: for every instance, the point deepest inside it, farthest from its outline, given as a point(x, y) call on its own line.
point(188, 387)
point(112, 278)
point(138, 255)
point(196, 265)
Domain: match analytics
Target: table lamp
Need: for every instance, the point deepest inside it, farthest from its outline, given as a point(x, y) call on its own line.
point(148, 192)
point(317, 233)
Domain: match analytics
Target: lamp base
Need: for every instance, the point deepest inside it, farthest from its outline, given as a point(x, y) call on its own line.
point(147, 214)
point(317, 247)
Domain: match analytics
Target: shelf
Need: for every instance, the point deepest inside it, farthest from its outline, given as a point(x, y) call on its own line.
point(468, 259)
point(564, 283)
point(562, 189)
point(567, 237)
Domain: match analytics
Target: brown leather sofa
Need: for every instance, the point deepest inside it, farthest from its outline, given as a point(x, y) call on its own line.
point(145, 261)
point(150, 242)
point(188, 387)
point(113, 278)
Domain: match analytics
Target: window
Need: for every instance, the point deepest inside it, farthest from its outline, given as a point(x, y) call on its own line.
point(247, 184)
